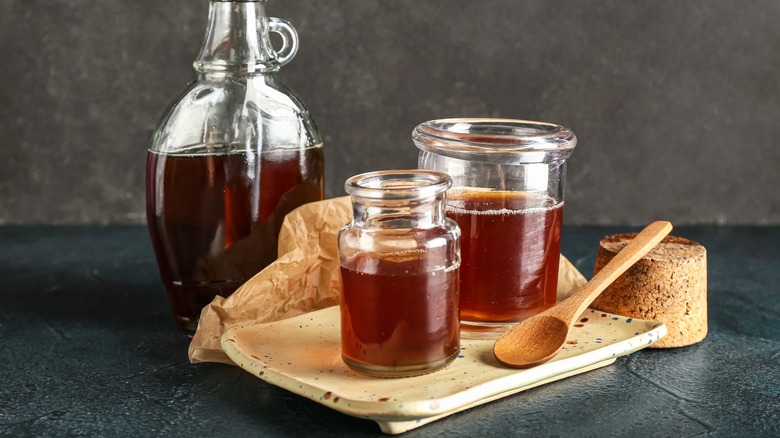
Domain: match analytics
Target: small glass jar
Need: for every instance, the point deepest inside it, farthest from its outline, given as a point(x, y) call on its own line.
point(507, 197)
point(400, 259)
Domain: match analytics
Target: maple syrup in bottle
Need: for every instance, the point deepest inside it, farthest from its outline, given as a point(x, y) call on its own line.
point(214, 219)
point(233, 155)
point(507, 198)
point(399, 269)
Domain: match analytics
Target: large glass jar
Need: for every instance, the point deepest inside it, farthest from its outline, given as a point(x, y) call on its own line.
point(399, 269)
point(232, 156)
point(507, 197)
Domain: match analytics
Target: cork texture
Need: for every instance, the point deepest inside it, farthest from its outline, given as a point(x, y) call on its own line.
point(669, 285)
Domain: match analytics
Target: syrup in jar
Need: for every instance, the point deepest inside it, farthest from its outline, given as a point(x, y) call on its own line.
point(510, 248)
point(397, 315)
point(400, 262)
point(507, 197)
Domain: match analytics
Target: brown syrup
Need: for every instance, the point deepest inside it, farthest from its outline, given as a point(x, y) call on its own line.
point(399, 316)
point(214, 219)
point(510, 247)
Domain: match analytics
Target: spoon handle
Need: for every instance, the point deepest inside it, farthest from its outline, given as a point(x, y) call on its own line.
point(647, 239)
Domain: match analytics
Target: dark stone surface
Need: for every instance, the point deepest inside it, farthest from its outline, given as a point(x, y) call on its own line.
point(89, 348)
point(675, 103)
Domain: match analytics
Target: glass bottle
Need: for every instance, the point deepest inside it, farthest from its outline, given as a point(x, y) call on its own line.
point(232, 156)
point(507, 197)
point(399, 267)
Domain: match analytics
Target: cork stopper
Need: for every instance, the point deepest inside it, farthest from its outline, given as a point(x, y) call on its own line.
point(669, 284)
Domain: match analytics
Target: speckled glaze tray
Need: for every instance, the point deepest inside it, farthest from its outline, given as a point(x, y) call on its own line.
point(302, 354)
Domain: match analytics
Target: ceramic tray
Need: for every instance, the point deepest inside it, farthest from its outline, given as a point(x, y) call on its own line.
point(302, 354)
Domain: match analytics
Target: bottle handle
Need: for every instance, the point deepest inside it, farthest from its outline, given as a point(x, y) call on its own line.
point(289, 39)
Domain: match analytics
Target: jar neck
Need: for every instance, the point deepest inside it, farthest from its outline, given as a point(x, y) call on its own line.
point(398, 214)
point(236, 40)
point(256, 78)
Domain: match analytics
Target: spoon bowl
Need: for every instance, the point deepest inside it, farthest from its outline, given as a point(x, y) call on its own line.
point(549, 334)
point(539, 338)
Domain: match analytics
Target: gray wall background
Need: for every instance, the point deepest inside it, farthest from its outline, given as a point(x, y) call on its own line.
point(676, 103)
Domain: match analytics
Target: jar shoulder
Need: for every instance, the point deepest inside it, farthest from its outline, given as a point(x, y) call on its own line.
point(392, 241)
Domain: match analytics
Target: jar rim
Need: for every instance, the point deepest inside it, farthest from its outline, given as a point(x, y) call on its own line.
point(506, 141)
point(409, 184)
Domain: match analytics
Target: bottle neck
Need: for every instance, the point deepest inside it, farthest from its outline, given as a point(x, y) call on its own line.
point(236, 40)
point(399, 214)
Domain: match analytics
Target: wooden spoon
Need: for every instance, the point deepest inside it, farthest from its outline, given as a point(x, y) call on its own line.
point(539, 338)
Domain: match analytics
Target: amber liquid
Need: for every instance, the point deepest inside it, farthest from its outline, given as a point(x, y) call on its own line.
point(510, 248)
point(214, 219)
point(397, 321)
